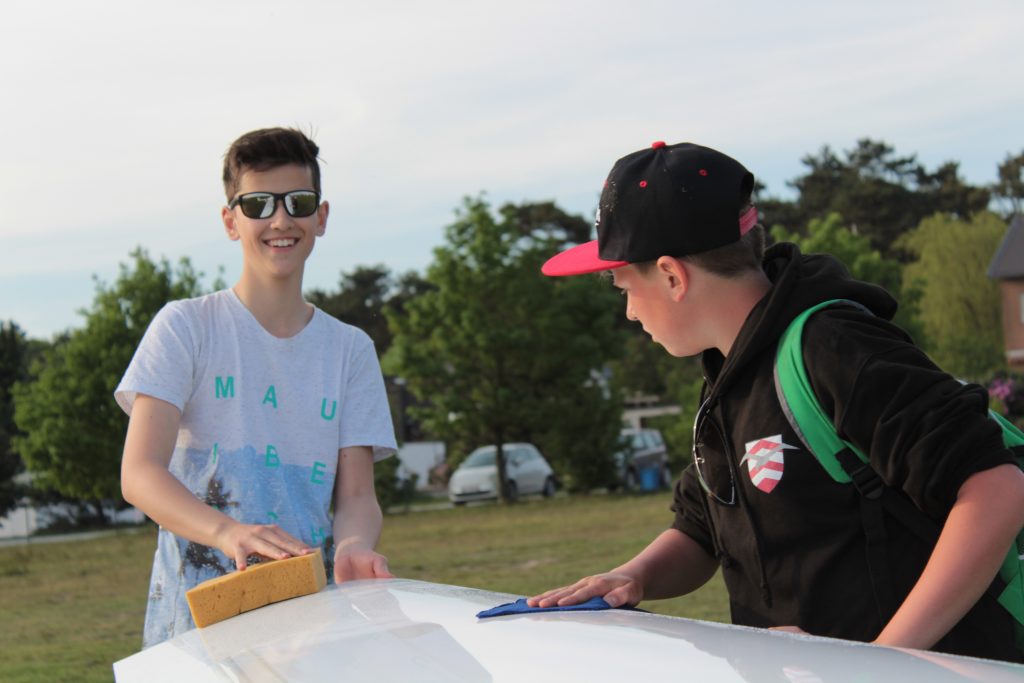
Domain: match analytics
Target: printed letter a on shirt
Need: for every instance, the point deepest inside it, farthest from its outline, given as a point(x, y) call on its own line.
point(225, 388)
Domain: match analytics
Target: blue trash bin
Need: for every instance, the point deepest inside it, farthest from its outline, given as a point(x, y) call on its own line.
point(650, 479)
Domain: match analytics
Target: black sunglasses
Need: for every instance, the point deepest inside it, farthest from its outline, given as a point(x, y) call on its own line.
point(701, 464)
point(298, 203)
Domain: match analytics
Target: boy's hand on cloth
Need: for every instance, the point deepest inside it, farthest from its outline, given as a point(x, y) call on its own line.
point(617, 589)
point(239, 541)
point(360, 564)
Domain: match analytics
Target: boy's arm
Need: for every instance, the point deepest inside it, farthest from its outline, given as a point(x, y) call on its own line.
point(987, 514)
point(673, 564)
point(147, 484)
point(357, 518)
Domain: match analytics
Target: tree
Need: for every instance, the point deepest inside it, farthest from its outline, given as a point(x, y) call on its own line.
point(14, 362)
point(880, 194)
point(685, 382)
point(497, 353)
point(73, 431)
point(960, 305)
point(546, 222)
point(643, 368)
point(1010, 186)
point(362, 296)
point(830, 236)
point(409, 286)
point(360, 301)
point(943, 191)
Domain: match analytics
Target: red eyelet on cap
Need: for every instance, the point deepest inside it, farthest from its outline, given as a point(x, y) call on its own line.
point(643, 183)
point(656, 145)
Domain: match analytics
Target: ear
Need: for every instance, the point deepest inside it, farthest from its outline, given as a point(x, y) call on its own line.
point(675, 276)
point(321, 216)
point(227, 216)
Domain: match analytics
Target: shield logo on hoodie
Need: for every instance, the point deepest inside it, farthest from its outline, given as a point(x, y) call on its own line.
point(765, 462)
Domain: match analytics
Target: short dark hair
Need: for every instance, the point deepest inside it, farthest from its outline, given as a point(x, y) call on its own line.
point(731, 260)
point(267, 148)
point(743, 255)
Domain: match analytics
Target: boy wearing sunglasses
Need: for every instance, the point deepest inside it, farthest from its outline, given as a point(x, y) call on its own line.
point(679, 234)
point(251, 411)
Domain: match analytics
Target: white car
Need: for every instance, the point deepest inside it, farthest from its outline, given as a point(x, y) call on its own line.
point(380, 631)
point(477, 477)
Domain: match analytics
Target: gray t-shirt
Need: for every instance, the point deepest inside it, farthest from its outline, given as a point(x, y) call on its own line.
point(262, 419)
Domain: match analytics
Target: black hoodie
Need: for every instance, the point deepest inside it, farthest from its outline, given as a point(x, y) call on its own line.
point(793, 549)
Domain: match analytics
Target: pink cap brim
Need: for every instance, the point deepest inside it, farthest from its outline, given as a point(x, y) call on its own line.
point(579, 260)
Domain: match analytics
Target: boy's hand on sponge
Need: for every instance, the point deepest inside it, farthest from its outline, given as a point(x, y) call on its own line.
point(239, 541)
point(225, 596)
point(360, 564)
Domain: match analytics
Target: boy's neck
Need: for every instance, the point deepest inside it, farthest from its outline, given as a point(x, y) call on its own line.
point(734, 306)
point(278, 306)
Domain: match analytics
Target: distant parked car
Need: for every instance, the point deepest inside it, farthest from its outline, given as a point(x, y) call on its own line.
point(477, 477)
point(642, 460)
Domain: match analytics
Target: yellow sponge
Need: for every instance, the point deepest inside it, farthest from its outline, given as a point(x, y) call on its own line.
point(225, 596)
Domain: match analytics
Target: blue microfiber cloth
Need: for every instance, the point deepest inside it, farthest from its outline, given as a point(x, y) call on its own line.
point(520, 607)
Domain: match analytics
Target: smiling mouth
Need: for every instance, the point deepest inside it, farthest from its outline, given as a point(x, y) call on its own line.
point(281, 242)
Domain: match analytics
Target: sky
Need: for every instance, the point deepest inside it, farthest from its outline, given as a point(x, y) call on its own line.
point(116, 114)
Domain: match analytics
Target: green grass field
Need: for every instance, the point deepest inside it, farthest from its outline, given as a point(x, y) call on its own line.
point(69, 610)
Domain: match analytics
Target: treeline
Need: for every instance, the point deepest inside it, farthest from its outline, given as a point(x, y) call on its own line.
point(482, 349)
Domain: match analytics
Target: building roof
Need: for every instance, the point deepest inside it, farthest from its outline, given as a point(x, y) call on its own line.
point(1008, 263)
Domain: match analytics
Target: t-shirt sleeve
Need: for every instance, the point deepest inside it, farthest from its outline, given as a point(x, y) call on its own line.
point(366, 416)
point(163, 364)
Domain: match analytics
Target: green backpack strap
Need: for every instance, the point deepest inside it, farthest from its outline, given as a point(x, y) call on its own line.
point(798, 401)
point(841, 460)
point(1013, 437)
point(1011, 571)
point(818, 434)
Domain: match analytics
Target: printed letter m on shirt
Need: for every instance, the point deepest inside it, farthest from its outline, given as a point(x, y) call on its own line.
point(225, 389)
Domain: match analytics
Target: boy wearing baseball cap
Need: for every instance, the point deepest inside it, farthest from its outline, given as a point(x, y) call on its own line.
point(798, 550)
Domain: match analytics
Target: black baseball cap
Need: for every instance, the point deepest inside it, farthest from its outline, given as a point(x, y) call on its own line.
point(667, 200)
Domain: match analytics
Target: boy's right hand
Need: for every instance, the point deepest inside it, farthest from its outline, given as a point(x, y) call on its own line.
point(238, 541)
point(616, 588)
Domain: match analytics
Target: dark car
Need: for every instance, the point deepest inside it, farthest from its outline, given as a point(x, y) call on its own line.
point(642, 461)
